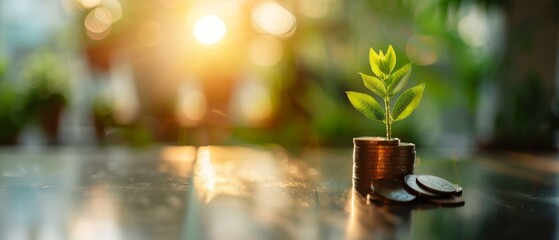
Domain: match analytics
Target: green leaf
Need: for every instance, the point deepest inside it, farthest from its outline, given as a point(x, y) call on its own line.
point(374, 61)
point(407, 102)
point(390, 59)
point(387, 62)
point(398, 79)
point(366, 105)
point(374, 84)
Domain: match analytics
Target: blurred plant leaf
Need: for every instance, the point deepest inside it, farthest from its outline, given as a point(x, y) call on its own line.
point(398, 79)
point(374, 84)
point(407, 102)
point(366, 105)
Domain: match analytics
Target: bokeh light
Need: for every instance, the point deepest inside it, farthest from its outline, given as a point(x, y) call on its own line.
point(266, 51)
point(191, 105)
point(88, 3)
point(422, 49)
point(149, 33)
point(209, 29)
point(473, 28)
point(272, 18)
point(314, 8)
point(194, 105)
point(255, 103)
point(98, 23)
point(114, 8)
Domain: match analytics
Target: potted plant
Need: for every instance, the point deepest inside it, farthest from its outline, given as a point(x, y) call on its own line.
point(46, 83)
point(384, 157)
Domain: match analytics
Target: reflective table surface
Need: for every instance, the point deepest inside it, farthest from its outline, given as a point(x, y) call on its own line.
point(261, 193)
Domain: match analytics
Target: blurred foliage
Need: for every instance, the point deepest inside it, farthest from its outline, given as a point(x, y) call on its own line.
point(12, 111)
point(454, 77)
point(44, 85)
point(459, 48)
point(46, 82)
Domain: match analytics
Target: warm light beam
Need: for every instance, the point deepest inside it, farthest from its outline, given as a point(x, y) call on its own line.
point(209, 29)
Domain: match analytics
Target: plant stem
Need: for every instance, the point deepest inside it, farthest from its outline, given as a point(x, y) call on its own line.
point(388, 120)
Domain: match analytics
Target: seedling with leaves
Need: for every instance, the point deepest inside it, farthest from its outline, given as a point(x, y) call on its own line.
point(385, 83)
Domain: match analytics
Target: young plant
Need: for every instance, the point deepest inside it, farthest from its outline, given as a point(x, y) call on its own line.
point(385, 83)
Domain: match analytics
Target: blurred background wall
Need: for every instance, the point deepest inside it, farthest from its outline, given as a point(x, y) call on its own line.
point(127, 72)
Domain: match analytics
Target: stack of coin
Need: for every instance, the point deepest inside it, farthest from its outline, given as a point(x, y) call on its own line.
point(376, 157)
point(427, 189)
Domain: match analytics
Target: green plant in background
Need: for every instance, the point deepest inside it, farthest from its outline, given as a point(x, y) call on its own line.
point(46, 82)
point(385, 83)
point(12, 112)
point(46, 85)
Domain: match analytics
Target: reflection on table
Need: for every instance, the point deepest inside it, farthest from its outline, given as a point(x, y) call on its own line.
point(260, 193)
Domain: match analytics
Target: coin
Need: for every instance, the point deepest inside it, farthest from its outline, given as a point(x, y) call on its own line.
point(373, 198)
point(411, 183)
point(384, 164)
point(393, 161)
point(435, 184)
point(374, 162)
point(383, 153)
point(394, 156)
point(446, 202)
point(375, 174)
point(383, 145)
point(382, 148)
point(367, 170)
point(391, 146)
point(392, 189)
point(395, 164)
point(376, 158)
point(376, 140)
point(458, 191)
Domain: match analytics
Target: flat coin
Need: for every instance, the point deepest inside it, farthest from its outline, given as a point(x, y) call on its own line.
point(373, 161)
point(452, 201)
point(392, 189)
point(389, 165)
point(411, 183)
point(364, 170)
point(385, 155)
point(388, 158)
point(458, 191)
point(382, 148)
point(377, 199)
point(383, 152)
point(380, 144)
point(376, 172)
point(372, 141)
point(388, 161)
point(373, 166)
point(376, 139)
point(435, 184)
point(405, 144)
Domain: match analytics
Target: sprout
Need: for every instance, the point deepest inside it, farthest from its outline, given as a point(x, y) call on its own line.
point(385, 83)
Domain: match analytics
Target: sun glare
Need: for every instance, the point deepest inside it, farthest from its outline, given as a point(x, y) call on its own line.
point(209, 29)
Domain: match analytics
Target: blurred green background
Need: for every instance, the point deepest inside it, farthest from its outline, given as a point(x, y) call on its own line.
point(138, 73)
